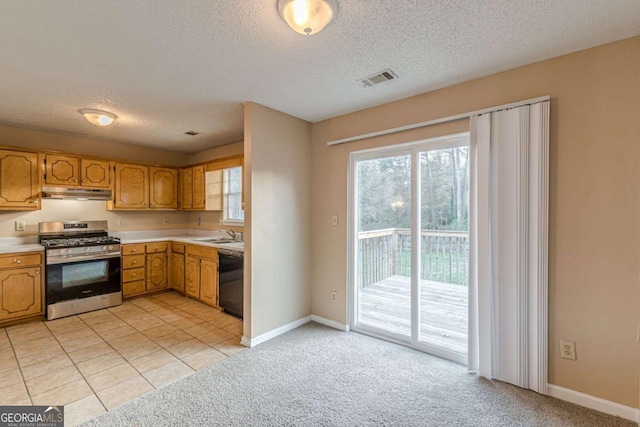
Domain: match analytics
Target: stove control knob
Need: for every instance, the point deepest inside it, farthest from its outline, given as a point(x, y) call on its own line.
point(68, 251)
point(111, 247)
point(103, 249)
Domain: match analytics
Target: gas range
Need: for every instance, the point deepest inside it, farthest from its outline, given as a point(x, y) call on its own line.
point(83, 267)
point(66, 241)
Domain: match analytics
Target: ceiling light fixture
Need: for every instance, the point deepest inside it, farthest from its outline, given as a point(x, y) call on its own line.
point(98, 118)
point(307, 16)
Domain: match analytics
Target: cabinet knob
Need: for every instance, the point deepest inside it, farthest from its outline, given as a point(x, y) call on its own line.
point(134, 275)
point(133, 250)
point(75, 180)
point(17, 261)
point(37, 271)
point(134, 262)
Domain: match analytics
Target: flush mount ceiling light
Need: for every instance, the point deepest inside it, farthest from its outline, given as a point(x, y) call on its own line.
point(307, 16)
point(98, 118)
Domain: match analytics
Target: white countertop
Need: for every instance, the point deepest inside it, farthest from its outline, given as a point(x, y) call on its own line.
point(29, 244)
point(182, 236)
point(10, 245)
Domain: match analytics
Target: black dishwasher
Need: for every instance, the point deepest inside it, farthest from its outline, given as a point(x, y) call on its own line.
point(230, 286)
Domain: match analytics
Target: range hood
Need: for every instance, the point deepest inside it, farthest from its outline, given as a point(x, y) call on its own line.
point(75, 193)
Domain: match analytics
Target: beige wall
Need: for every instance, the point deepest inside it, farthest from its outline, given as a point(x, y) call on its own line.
point(71, 144)
point(70, 210)
point(594, 255)
point(217, 153)
point(278, 247)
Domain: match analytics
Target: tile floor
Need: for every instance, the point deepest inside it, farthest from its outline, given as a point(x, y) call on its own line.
point(96, 361)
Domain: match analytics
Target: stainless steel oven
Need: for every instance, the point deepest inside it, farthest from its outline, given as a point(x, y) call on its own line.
point(83, 267)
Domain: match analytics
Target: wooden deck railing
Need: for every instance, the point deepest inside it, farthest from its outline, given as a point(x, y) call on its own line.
point(384, 253)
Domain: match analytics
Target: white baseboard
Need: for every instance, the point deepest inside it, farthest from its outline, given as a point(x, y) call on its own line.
point(593, 402)
point(330, 323)
point(252, 342)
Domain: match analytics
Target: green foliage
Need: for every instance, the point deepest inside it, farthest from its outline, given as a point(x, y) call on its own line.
point(384, 191)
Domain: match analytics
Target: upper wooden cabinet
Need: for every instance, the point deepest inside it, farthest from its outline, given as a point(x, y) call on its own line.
point(19, 180)
point(144, 187)
point(193, 188)
point(95, 173)
point(163, 191)
point(69, 171)
point(131, 187)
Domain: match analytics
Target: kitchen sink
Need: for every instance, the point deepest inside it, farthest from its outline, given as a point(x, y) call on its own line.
point(216, 240)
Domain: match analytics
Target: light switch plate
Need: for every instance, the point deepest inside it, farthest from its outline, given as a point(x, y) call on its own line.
point(334, 220)
point(20, 225)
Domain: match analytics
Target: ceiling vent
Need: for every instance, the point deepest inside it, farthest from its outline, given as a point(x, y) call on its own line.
point(192, 133)
point(381, 77)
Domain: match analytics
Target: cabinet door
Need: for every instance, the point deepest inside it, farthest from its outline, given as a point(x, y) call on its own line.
point(192, 276)
point(177, 272)
point(198, 187)
point(132, 186)
point(209, 281)
point(95, 173)
point(156, 271)
point(187, 188)
point(62, 170)
point(20, 292)
point(19, 180)
point(163, 191)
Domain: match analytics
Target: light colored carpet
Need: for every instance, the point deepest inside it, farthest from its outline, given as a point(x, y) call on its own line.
point(316, 376)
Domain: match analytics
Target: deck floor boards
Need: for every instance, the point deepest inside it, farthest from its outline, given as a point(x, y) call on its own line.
point(444, 310)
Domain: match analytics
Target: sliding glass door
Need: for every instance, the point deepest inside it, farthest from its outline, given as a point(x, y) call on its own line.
point(410, 244)
point(384, 244)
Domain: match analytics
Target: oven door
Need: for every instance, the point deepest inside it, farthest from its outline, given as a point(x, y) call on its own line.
point(81, 279)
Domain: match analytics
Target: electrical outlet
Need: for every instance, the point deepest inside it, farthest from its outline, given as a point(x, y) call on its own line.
point(19, 226)
point(334, 220)
point(166, 220)
point(334, 296)
point(568, 350)
point(121, 222)
point(199, 221)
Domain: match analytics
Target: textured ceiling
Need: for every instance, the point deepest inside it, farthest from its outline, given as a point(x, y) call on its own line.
point(166, 67)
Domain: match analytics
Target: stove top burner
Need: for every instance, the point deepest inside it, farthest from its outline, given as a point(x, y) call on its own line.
point(67, 242)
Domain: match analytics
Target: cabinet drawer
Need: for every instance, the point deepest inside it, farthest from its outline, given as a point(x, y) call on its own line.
point(20, 260)
point(177, 247)
point(156, 247)
point(202, 251)
point(133, 261)
point(133, 288)
point(133, 274)
point(132, 249)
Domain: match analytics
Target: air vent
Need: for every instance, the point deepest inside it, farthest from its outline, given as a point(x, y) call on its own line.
point(192, 133)
point(381, 77)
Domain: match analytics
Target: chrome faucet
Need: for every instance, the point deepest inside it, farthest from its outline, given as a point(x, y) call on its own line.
point(231, 233)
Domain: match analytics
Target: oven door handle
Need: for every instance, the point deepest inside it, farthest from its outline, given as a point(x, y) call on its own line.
point(65, 259)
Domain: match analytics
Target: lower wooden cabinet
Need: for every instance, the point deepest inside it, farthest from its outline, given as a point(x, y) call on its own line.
point(201, 274)
point(145, 268)
point(189, 269)
point(156, 271)
point(21, 286)
point(176, 270)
